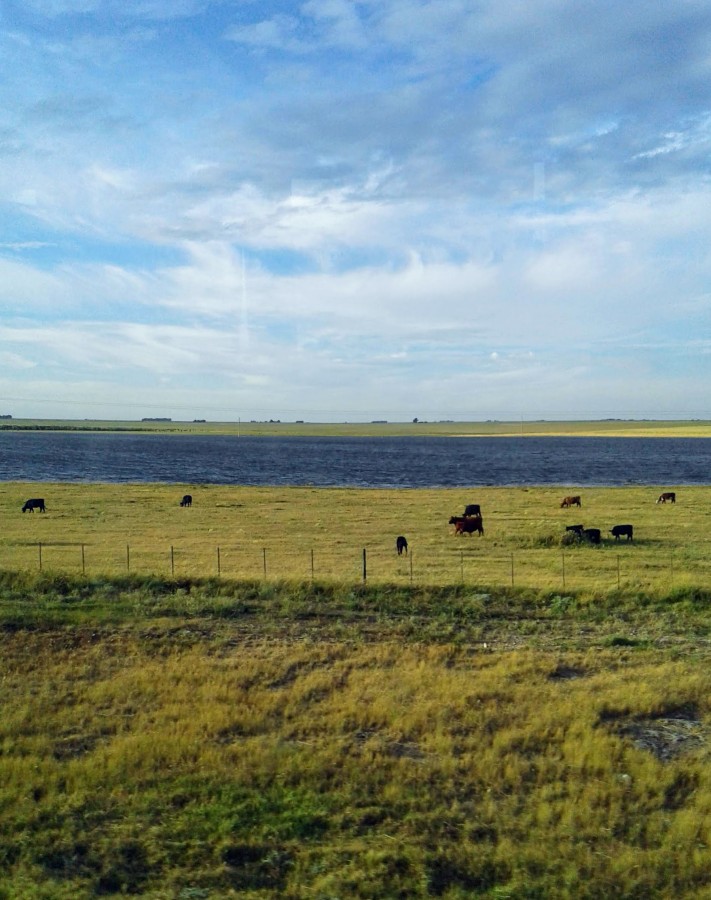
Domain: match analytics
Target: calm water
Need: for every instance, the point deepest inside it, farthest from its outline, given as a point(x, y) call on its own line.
point(353, 462)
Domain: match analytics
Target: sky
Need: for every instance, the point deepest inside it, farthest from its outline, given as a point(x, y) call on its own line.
point(347, 210)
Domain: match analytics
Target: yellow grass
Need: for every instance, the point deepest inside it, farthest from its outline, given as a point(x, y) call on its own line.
point(300, 533)
point(299, 768)
point(519, 427)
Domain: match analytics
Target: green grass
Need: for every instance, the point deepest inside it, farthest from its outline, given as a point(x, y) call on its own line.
point(603, 428)
point(304, 533)
point(437, 731)
point(179, 738)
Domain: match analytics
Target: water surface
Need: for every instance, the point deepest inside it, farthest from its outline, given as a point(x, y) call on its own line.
point(353, 462)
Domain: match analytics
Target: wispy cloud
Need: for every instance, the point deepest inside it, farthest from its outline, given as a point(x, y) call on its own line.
point(473, 207)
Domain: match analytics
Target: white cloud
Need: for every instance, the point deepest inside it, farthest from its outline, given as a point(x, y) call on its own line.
point(464, 198)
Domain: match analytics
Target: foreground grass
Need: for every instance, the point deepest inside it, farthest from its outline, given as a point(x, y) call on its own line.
point(190, 738)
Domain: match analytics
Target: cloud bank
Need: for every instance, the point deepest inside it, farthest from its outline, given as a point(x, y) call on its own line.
point(348, 209)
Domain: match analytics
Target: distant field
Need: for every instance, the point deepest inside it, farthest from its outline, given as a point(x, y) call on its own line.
point(321, 534)
point(604, 428)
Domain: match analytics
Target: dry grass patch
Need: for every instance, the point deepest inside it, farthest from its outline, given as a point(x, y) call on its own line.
point(230, 758)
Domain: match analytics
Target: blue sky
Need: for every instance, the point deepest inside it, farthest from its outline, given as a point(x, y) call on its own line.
point(355, 209)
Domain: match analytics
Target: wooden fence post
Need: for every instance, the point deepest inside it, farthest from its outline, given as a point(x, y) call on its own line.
point(562, 556)
point(39, 548)
point(365, 566)
point(218, 563)
point(128, 558)
point(264, 560)
point(83, 566)
point(172, 561)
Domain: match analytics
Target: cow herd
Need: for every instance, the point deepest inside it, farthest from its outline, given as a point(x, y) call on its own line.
point(470, 521)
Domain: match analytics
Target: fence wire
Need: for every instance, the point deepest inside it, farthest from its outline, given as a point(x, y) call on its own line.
point(605, 567)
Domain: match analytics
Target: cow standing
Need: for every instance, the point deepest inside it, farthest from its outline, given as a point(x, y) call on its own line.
point(187, 500)
point(33, 504)
point(472, 509)
point(622, 531)
point(401, 544)
point(667, 496)
point(571, 501)
point(467, 524)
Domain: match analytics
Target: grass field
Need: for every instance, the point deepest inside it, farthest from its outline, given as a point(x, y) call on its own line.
point(188, 739)
point(521, 427)
point(432, 732)
point(309, 533)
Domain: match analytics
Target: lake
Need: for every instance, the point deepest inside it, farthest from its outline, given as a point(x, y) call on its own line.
point(405, 462)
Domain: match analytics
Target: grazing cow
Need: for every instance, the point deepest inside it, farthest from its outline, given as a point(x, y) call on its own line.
point(576, 529)
point(571, 501)
point(187, 500)
point(467, 524)
point(619, 530)
point(667, 495)
point(32, 505)
point(401, 544)
point(592, 535)
point(473, 509)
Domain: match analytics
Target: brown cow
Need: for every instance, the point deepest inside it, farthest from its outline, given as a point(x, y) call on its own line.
point(467, 524)
point(667, 495)
point(571, 501)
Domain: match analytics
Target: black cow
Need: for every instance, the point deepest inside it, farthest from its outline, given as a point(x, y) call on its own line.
point(187, 500)
point(592, 535)
point(576, 529)
point(467, 524)
point(401, 544)
point(33, 504)
point(667, 495)
point(473, 509)
point(619, 530)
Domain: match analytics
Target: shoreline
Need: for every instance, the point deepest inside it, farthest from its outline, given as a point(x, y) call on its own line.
point(535, 428)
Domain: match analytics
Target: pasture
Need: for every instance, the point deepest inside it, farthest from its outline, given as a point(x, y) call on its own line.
point(433, 732)
point(320, 534)
point(422, 428)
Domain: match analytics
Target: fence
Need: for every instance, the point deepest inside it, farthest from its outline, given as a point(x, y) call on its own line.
point(550, 568)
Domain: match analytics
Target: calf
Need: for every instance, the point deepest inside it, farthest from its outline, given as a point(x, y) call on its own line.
point(571, 501)
point(592, 535)
point(187, 500)
point(33, 504)
point(667, 495)
point(401, 544)
point(576, 529)
point(619, 530)
point(473, 509)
